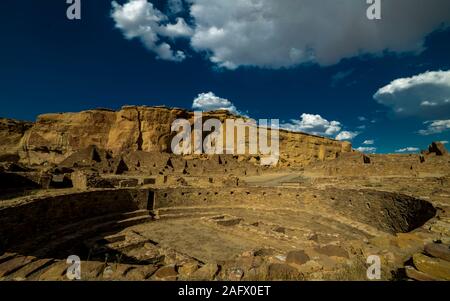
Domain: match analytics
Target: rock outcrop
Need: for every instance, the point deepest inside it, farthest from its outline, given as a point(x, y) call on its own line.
point(11, 133)
point(54, 137)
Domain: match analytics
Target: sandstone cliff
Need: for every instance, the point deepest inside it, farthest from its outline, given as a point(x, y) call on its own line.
point(54, 137)
point(11, 134)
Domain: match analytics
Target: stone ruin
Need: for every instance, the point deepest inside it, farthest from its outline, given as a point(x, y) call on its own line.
point(104, 186)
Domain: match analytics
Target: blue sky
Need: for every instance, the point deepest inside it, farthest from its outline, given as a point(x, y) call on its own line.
point(261, 59)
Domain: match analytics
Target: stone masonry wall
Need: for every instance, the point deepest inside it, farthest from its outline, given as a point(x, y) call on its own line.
point(21, 221)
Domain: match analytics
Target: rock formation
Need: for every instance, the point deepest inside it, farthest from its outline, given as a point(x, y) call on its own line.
point(54, 137)
point(104, 185)
point(11, 134)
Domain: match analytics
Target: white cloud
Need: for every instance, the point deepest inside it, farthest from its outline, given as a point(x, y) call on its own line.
point(210, 102)
point(424, 94)
point(435, 127)
point(362, 118)
point(408, 150)
point(427, 103)
point(275, 34)
point(313, 124)
point(140, 19)
point(368, 142)
point(297, 31)
point(308, 123)
point(346, 135)
point(317, 125)
point(444, 142)
point(365, 149)
point(179, 29)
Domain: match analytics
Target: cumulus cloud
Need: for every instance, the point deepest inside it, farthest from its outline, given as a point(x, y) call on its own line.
point(178, 29)
point(308, 123)
point(276, 34)
point(367, 149)
point(210, 102)
point(408, 150)
point(140, 19)
point(444, 142)
point(435, 127)
point(426, 94)
point(317, 125)
point(313, 124)
point(346, 135)
point(298, 31)
point(369, 142)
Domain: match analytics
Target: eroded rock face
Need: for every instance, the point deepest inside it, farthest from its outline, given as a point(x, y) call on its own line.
point(54, 137)
point(297, 149)
point(11, 133)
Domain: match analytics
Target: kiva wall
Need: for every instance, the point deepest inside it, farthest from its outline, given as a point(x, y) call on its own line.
point(22, 221)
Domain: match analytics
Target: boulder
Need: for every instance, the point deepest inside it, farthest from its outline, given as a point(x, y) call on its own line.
point(332, 250)
point(141, 272)
point(434, 267)
point(186, 269)
point(441, 251)
point(167, 272)
point(264, 252)
point(282, 271)
point(297, 257)
point(116, 271)
point(412, 273)
point(206, 272)
point(234, 274)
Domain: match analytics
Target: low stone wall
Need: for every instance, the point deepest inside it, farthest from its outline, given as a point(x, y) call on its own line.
point(354, 164)
point(21, 222)
point(183, 197)
point(388, 212)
